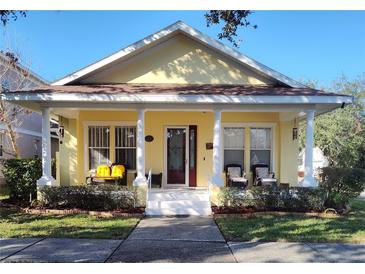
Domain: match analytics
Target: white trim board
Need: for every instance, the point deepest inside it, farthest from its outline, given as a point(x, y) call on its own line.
point(179, 27)
point(169, 98)
point(164, 174)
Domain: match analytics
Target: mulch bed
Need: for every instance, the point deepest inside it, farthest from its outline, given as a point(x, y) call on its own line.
point(132, 212)
point(222, 212)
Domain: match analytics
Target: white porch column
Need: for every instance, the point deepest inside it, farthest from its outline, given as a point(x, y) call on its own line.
point(141, 178)
point(309, 180)
point(217, 149)
point(46, 178)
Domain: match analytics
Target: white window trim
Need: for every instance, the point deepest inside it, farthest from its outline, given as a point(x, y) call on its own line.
point(244, 143)
point(271, 168)
point(86, 125)
point(164, 174)
point(248, 126)
point(135, 147)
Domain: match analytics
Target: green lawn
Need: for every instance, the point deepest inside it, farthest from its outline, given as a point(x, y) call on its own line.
point(347, 229)
point(15, 224)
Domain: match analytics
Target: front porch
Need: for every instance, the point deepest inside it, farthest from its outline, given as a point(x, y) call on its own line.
point(188, 148)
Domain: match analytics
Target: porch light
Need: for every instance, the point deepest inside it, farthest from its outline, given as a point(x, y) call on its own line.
point(61, 133)
point(295, 130)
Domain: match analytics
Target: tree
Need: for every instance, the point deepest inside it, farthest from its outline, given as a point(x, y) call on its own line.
point(340, 134)
point(12, 77)
point(7, 15)
point(232, 20)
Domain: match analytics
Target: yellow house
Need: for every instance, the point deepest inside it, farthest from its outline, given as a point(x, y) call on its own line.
point(180, 104)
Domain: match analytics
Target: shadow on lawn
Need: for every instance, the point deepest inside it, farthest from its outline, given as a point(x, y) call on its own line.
point(17, 224)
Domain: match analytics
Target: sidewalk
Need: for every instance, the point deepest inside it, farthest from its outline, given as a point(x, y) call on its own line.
point(184, 239)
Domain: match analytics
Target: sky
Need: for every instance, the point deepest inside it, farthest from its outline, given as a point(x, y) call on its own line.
point(304, 45)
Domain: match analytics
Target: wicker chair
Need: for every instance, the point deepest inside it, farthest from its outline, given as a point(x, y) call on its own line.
point(236, 177)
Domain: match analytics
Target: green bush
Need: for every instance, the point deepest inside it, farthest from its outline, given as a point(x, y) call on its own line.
point(266, 198)
point(21, 175)
point(341, 185)
point(100, 197)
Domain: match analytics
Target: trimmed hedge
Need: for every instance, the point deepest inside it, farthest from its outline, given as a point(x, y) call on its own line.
point(21, 176)
point(94, 197)
point(266, 198)
point(341, 185)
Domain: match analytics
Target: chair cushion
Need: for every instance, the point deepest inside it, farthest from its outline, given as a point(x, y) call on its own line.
point(239, 179)
point(262, 172)
point(234, 172)
point(269, 180)
point(118, 171)
point(103, 171)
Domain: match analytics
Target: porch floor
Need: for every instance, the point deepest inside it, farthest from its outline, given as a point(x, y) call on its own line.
point(178, 201)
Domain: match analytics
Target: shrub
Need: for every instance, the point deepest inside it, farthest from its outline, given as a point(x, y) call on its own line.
point(21, 175)
point(341, 185)
point(100, 197)
point(267, 198)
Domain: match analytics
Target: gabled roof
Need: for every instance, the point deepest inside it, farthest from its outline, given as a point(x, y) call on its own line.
point(180, 27)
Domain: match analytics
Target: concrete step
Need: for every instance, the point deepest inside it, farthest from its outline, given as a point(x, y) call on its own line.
point(171, 196)
point(178, 211)
point(178, 204)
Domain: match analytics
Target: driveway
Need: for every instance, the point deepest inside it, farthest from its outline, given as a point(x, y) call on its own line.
point(175, 239)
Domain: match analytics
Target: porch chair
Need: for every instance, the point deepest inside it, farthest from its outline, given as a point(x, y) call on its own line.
point(116, 173)
point(235, 176)
point(264, 178)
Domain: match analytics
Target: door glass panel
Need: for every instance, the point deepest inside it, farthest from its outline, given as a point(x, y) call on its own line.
point(176, 150)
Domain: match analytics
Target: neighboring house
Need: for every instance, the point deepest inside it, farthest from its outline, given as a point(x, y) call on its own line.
point(29, 126)
point(202, 105)
point(319, 161)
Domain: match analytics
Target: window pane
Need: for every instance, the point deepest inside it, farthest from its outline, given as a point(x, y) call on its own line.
point(192, 148)
point(98, 137)
point(233, 157)
point(260, 157)
point(98, 156)
point(125, 136)
point(234, 137)
point(260, 138)
point(126, 156)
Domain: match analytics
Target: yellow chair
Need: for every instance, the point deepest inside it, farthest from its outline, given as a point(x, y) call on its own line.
point(118, 171)
point(103, 171)
point(118, 174)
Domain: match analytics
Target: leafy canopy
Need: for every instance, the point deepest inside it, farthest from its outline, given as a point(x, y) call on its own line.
point(340, 134)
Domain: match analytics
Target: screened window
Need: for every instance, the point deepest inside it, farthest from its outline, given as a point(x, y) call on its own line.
point(260, 142)
point(234, 145)
point(125, 146)
point(98, 145)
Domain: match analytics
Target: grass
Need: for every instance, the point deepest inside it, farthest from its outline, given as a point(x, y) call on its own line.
point(15, 224)
point(345, 229)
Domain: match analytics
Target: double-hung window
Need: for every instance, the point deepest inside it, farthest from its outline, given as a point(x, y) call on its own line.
point(260, 142)
point(99, 145)
point(125, 146)
point(234, 145)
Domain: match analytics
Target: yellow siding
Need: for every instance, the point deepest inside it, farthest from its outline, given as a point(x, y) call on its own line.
point(68, 153)
point(72, 151)
point(180, 60)
point(288, 154)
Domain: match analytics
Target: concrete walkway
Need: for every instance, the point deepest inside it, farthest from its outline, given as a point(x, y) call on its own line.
point(183, 239)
